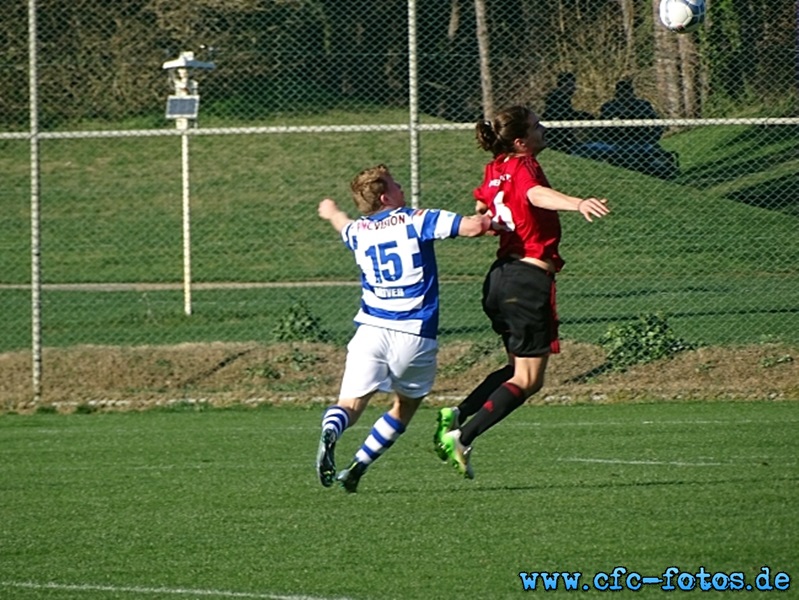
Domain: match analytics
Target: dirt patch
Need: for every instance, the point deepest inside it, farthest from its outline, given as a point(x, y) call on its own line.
point(120, 378)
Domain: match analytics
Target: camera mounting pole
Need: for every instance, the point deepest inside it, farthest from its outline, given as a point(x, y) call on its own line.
point(183, 106)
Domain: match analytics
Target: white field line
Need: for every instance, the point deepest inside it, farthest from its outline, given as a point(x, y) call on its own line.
point(32, 585)
point(709, 461)
point(618, 461)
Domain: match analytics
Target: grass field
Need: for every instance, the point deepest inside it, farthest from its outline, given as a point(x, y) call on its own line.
point(712, 310)
point(716, 248)
point(225, 504)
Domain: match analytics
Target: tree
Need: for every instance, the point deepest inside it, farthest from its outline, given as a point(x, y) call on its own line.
point(628, 22)
point(485, 58)
point(675, 62)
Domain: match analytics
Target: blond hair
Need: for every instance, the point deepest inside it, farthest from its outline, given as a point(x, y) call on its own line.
point(367, 188)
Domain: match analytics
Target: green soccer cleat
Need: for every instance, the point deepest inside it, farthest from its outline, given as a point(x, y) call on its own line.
point(325, 458)
point(446, 421)
point(350, 476)
point(458, 454)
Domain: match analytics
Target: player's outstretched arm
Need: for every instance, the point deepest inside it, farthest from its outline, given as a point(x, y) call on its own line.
point(544, 197)
point(329, 211)
point(474, 225)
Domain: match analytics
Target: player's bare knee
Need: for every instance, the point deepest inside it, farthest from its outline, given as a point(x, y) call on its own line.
point(535, 387)
point(527, 387)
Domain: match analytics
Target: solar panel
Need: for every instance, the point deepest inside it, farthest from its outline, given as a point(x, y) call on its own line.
point(182, 107)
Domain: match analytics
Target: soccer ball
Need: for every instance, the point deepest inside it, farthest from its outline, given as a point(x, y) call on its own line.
point(682, 16)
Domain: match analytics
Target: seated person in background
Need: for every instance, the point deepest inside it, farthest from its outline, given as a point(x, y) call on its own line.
point(558, 107)
point(626, 105)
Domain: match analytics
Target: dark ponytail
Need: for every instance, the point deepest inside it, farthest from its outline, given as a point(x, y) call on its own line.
point(497, 136)
point(486, 138)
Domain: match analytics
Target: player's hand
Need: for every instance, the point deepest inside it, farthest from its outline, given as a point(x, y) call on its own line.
point(593, 207)
point(327, 208)
point(329, 211)
point(486, 223)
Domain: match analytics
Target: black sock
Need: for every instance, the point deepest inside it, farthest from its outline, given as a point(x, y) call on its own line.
point(502, 402)
point(474, 401)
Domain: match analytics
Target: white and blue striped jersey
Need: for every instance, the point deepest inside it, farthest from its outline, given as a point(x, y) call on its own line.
point(394, 249)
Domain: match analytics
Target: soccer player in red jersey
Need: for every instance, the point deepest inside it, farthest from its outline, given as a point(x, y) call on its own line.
point(519, 289)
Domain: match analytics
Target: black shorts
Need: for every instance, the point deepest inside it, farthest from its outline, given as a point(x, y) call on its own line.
point(519, 298)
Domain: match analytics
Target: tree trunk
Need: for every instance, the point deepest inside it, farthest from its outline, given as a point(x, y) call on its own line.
point(688, 73)
point(485, 63)
point(454, 20)
point(666, 66)
point(628, 22)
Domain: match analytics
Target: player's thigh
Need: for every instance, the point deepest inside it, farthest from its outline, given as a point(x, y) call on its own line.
point(526, 307)
point(493, 297)
point(412, 364)
point(366, 368)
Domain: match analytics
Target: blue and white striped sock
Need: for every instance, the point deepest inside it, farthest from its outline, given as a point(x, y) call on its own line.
point(335, 418)
point(384, 433)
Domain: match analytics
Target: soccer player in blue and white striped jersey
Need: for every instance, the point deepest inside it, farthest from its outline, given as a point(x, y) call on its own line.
point(394, 348)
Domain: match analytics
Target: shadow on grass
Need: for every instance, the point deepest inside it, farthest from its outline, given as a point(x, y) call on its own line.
point(777, 194)
point(195, 379)
point(583, 485)
point(753, 150)
point(596, 485)
point(756, 149)
point(605, 367)
point(632, 484)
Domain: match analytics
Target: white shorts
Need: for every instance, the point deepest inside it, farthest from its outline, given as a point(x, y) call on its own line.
point(386, 360)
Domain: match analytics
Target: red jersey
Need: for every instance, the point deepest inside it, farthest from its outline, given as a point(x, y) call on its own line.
point(526, 230)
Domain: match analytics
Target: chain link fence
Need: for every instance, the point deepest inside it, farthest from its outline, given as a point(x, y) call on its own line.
point(130, 228)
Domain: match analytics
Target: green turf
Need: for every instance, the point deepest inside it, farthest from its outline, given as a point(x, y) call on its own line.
point(226, 503)
point(705, 311)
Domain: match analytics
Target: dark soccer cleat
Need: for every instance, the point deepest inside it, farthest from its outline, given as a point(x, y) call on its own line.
point(325, 458)
point(350, 476)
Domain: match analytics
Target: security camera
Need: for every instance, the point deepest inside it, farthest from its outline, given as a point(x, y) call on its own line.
point(186, 60)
